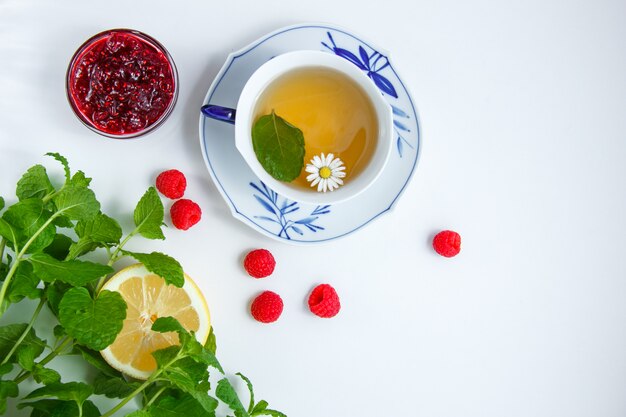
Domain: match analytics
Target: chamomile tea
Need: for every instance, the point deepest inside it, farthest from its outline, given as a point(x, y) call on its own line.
point(334, 114)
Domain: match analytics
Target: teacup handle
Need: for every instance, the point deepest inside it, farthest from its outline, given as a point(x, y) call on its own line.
point(223, 114)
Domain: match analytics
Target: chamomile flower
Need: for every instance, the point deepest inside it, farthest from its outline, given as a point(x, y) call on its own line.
point(326, 172)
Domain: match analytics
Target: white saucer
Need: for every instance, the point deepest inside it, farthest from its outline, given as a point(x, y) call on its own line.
point(250, 200)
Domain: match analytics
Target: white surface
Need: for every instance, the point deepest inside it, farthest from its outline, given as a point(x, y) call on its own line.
point(522, 107)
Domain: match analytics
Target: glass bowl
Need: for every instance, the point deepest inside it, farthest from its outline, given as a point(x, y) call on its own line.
point(122, 83)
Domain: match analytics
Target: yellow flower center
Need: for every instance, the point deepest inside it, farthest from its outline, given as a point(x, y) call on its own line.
point(325, 172)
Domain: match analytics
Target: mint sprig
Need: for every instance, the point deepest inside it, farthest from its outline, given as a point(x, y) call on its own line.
point(43, 236)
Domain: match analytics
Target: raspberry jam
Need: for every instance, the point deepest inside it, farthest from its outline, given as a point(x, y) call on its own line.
point(122, 83)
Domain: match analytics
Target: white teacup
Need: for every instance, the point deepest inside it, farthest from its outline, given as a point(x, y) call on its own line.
point(244, 120)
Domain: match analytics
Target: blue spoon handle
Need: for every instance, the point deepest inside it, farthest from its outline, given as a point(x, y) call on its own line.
point(223, 114)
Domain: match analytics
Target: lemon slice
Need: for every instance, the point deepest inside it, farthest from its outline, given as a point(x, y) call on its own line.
point(148, 297)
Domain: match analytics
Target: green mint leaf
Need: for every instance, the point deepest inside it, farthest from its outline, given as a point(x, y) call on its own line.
point(6, 368)
point(95, 359)
point(113, 386)
point(7, 389)
point(191, 377)
point(169, 324)
point(77, 202)
point(1, 203)
point(149, 215)
point(31, 347)
point(80, 180)
point(26, 218)
point(273, 413)
point(34, 183)
point(164, 356)
point(60, 247)
point(250, 390)
point(279, 147)
point(8, 232)
point(183, 405)
point(227, 394)
point(141, 413)
point(207, 358)
point(261, 406)
point(60, 408)
point(45, 376)
point(63, 221)
point(93, 323)
point(63, 161)
point(76, 273)
point(162, 265)
point(101, 229)
point(70, 391)
point(55, 293)
point(24, 284)
point(211, 342)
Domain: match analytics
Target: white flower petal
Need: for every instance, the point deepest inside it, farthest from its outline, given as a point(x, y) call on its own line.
point(321, 185)
point(339, 174)
point(311, 177)
point(338, 181)
point(335, 163)
point(312, 169)
point(314, 183)
point(317, 161)
point(329, 159)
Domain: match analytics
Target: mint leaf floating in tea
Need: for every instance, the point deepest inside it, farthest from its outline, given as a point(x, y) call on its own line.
point(279, 147)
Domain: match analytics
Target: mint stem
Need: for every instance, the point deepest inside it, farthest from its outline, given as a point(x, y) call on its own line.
point(142, 387)
point(18, 258)
point(154, 397)
point(114, 257)
point(25, 333)
point(48, 358)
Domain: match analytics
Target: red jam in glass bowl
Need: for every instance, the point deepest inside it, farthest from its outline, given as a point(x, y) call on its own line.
point(122, 83)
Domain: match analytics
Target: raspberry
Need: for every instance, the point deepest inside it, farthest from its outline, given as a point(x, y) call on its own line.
point(185, 213)
point(324, 301)
point(267, 307)
point(171, 183)
point(447, 243)
point(259, 263)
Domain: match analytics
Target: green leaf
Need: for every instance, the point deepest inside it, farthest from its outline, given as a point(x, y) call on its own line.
point(70, 391)
point(164, 356)
point(149, 215)
point(55, 293)
point(63, 161)
point(63, 221)
point(24, 284)
point(77, 202)
point(101, 229)
point(94, 323)
point(227, 394)
point(45, 376)
point(60, 408)
point(183, 405)
point(261, 406)
point(140, 413)
point(7, 389)
point(279, 147)
point(60, 246)
point(80, 180)
point(168, 324)
point(211, 342)
point(273, 413)
point(162, 265)
point(76, 273)
point(34, 183)
point(207, 358)
point(1, 203)
point(26, 218)
point(30, 348)
point(250, 390)
point(6, 368)
point(8, 232)
point(113, 386)
point(95, 359)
